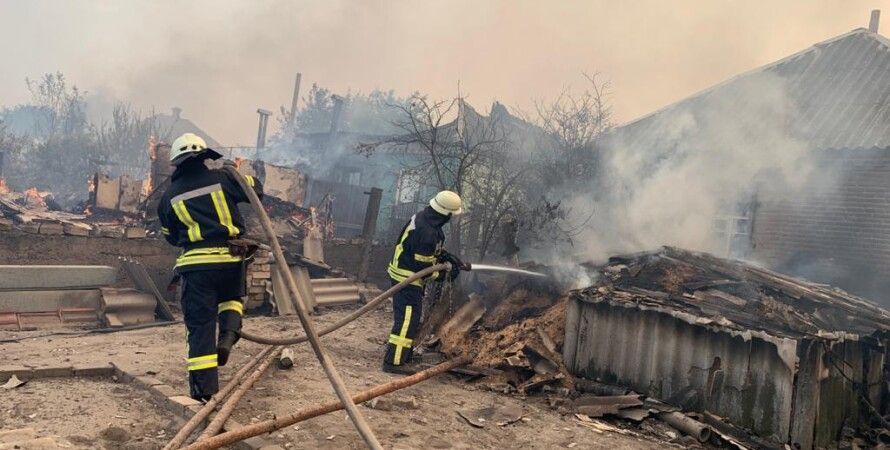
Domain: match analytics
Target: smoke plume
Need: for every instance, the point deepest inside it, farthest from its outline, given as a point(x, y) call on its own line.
point(667, 178)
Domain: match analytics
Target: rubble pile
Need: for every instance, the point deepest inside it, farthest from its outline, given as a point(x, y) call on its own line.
point(513, 331)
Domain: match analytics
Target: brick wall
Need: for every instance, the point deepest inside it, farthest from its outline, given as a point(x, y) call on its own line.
point(838, 230)
point(346, 255)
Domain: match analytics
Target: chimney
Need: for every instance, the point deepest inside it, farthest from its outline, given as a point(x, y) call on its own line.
point(261, 130)
point(296, 99)
point(875, 21)
point(176, 112)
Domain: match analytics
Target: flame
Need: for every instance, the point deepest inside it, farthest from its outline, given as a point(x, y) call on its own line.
point(34, 197)
point(4, 188)
point(147, 188)
point(152, 148)
point(238, 162)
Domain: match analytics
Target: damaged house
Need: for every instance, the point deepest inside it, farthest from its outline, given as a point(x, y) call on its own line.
point(833, 105)
point(341, 167)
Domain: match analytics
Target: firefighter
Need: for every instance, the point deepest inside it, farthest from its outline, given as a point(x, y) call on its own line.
point(420, 245)
point(199, 213)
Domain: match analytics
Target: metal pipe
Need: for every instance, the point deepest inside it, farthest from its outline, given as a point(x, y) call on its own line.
point(687, 425)
point(208, 407)
point(336, 381)
point(219, 420)
point(353, 315)
point(278, 423)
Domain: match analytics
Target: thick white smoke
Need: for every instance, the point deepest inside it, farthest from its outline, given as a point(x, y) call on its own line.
point(666, 181)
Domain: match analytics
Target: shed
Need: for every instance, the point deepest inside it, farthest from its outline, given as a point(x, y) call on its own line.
point(793, 361)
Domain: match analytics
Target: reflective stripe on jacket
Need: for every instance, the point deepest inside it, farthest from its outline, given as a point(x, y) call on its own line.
point(418, 247)
point(199, 213)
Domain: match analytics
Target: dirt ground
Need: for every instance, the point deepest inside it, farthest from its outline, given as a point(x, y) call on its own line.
point(83, 410)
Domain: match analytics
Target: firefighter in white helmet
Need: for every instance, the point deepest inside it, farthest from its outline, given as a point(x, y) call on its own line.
point(420, 245)
point(199, 213)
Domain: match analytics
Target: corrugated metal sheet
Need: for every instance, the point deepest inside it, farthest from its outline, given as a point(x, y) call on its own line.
point(743, 380)
point(839, 92)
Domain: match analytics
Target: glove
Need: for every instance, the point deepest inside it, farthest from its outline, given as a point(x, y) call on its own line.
point(244, 248)
point(456, 264)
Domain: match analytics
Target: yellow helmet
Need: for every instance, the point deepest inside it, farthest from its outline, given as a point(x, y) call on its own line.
point(447, 203)
point(187, 146)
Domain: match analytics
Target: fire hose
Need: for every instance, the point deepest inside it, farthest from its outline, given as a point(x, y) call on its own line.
point(208, 407)
point(224, 413)
point(311, 335)
point(352, 316)
point(280, 422)
point(212, 429)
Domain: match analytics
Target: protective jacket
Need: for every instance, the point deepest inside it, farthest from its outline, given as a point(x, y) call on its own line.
point(199, 213)
point(420, 244)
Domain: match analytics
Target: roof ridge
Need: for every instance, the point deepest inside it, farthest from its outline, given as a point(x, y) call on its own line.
point(760, 69)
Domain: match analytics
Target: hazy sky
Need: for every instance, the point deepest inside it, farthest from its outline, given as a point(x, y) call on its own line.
point(221, 59)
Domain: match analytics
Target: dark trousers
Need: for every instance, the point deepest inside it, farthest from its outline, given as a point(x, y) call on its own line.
point(209, 297)
point(406, 310)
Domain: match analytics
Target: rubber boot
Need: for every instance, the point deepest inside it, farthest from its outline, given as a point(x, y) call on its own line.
point(226, 341)
point(401, 369)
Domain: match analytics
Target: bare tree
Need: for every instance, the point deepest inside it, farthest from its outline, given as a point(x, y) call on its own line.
point(123, 141)
point(450, 146)
point(566, 160)
point(572, 123)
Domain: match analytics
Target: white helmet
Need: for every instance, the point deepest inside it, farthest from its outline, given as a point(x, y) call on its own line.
point(447, 203)
point(189, 145)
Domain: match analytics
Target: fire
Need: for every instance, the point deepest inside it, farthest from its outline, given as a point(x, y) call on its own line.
point(147, 187)
point(152, 148)
point(34, 198)
point(238, 162)
point(4, 188)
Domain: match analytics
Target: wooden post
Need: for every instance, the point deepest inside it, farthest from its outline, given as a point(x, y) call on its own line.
point(369, 231)
point(261, 131)
point(295, 101)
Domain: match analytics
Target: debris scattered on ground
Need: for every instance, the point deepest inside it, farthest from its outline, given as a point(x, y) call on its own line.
point(13, 383)
point(393, 403)
point(497, 415)
point(596, 406)
point(286, 359)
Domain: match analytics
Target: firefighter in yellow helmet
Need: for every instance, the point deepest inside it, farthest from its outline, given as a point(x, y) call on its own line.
point(420, 245)
point(199, 213)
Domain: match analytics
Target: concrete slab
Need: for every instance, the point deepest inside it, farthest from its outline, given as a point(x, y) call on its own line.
point(13, 277)
point(125, 306)
point(42, 301)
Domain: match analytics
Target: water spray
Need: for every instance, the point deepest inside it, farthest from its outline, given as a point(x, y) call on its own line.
point(490, 268)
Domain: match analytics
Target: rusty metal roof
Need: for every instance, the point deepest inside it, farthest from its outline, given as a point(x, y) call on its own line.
point(734, 295)
point(839, 92)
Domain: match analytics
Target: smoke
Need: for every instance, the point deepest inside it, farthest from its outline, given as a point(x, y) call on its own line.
point(666, 178)
point(222, 59)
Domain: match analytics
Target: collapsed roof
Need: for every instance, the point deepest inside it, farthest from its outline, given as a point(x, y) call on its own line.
point(707, 290)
